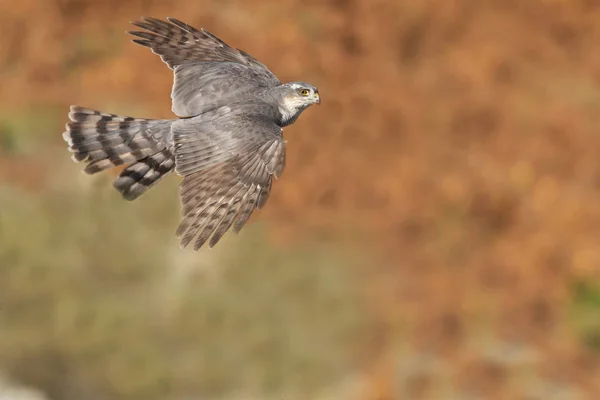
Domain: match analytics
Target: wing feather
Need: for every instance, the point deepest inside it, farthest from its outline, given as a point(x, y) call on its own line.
point(177, 43)
point(232, 177)
point(208, 73)
point(263, 195)
point(246, 211)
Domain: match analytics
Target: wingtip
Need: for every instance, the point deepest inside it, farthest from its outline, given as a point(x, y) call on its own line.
point(138, 22)
point(175, 21)
point(134, 21)
point(153, 20)
point(141, 42)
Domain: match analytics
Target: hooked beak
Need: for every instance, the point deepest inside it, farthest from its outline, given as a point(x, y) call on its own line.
point(318, 98)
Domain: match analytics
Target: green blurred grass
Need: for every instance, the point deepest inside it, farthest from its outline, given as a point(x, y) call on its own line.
point(585, 313)
point(98, 301)
point(28, 130)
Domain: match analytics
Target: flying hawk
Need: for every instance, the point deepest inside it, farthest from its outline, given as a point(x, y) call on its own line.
point(226, 143)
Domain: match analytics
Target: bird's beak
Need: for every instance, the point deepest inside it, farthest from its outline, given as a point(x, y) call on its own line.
point(318, 98)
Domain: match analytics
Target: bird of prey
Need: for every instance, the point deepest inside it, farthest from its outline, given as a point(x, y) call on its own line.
point(226, 142)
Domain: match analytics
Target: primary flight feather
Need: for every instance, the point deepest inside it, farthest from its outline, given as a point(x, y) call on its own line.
point(226, 143)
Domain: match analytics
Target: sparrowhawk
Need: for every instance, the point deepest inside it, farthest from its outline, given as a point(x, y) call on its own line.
point(226, 143)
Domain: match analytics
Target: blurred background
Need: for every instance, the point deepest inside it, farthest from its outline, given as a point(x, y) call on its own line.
point(435, 234)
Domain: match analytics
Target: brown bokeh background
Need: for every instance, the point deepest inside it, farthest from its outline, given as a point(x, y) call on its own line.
point(452, 172)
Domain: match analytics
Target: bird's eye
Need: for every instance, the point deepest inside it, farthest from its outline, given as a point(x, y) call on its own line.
point(304, 92)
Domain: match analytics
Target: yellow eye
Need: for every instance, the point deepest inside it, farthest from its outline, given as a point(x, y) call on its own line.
point(304, 92)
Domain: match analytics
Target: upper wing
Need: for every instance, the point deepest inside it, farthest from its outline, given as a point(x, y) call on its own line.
point(208, 72)
point(201, 87)
point(227, 165)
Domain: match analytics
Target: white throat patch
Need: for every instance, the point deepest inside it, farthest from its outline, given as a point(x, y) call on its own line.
point(290, 108)
point(286, 114)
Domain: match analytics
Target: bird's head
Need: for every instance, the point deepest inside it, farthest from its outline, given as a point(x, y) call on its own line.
point(295, 98)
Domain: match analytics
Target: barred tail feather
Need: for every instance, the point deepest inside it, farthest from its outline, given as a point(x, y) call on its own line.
point(136, 179)
point(103, 141)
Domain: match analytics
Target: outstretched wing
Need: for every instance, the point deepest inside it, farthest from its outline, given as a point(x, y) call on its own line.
point(208, 73)
point(228, 165)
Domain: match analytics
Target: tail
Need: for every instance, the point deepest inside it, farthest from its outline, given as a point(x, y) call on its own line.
point(103, 141)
